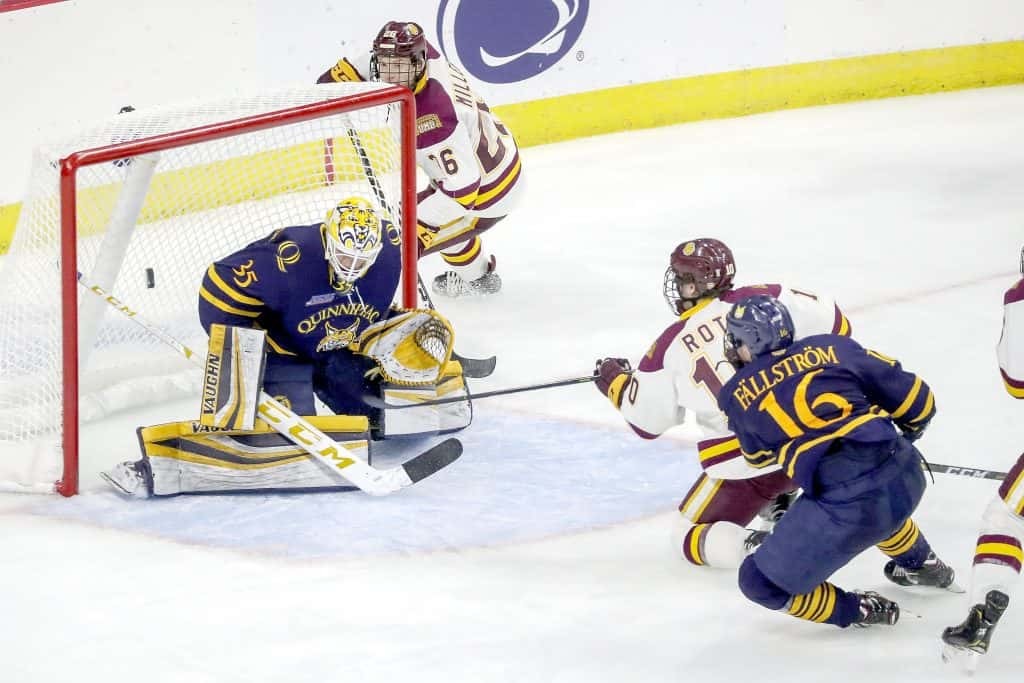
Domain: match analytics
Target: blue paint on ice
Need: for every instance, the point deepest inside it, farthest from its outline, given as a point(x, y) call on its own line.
point(520, 478)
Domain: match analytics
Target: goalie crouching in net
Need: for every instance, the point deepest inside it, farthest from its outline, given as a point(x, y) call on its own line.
point(314, 301)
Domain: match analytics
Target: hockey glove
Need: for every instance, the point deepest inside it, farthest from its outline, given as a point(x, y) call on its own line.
point(611, 375)
point(913, 432)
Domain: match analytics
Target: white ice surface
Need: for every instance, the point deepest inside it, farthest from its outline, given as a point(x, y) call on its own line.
point(542, 555)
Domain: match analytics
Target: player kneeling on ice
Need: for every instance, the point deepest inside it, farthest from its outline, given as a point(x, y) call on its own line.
point(304, 313)
point(827, 410)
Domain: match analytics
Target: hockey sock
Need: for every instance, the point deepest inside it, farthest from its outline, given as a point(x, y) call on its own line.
point(826, 604)
point(718, 544)
point(907, 547)
point(997, 565)
point(468, 260)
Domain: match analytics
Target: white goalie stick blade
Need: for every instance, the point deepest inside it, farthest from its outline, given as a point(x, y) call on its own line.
point(476, 368)
point(371, 480)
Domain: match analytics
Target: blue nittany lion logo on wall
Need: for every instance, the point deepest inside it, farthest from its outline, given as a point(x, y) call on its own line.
point(502, 42)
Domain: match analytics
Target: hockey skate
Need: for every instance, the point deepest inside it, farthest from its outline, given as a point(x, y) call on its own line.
point(933, 573)
point(875, 610)
point(773, 511)
point(971, 639)
point(452, 284)
point(754, 540)
point(131, 479)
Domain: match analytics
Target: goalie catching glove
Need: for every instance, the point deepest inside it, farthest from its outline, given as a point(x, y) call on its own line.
point(413, 350)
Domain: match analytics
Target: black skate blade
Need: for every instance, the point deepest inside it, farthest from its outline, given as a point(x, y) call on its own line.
point(433, 459)
point(476, 368)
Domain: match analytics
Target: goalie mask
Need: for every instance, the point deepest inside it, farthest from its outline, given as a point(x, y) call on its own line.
point(704, 263)
point(352, 238)
point(399, 54)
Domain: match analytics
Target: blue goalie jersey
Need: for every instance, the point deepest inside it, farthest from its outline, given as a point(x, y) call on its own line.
point(792, 405)
point(284, 285)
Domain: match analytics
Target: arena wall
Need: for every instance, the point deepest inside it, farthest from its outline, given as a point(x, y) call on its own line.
point(555, 69)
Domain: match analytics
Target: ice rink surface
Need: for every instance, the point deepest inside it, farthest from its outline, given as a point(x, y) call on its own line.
point(543, 554)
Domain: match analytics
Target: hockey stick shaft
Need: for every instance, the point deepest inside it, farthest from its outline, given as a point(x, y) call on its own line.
point(378, 403)
point(972, 472)
point(298, 430)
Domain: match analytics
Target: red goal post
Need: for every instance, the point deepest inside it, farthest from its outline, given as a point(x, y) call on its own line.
point(175, 188)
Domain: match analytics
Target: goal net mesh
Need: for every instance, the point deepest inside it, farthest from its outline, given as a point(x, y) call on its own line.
point(147, 229)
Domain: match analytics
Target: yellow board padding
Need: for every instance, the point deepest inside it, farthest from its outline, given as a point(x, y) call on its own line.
point(632, 107)
point(753, 91)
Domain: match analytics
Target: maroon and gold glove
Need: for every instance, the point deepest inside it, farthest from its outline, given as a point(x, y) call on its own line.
point(611, 375)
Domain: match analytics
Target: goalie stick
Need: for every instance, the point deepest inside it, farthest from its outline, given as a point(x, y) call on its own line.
point(377, 482)
point(378, 402)
point(473, 368)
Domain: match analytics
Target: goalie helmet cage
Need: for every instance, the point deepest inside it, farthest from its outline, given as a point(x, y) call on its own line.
point(141, 206)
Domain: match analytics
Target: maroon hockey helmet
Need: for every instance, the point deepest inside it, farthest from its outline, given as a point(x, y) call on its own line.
point(704, 262)
point(399, 54)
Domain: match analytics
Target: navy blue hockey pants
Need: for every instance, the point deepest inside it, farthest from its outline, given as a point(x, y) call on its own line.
point(863, 493)
point(338, 379)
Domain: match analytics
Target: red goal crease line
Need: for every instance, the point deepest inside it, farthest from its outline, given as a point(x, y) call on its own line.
point(11, 5)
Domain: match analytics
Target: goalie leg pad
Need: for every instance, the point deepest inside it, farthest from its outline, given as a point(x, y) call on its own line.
point(234, 370)
point(188, 457)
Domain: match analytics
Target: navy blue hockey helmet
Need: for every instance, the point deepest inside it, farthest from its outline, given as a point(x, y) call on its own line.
point(760, 322)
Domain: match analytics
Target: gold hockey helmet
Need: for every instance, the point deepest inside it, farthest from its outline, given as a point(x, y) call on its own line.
point(352, 238)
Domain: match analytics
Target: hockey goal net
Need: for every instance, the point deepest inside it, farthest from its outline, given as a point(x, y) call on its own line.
point(140, 206)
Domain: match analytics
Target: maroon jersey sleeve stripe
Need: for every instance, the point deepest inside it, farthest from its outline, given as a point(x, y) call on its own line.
point(1014, 294)
point(654, 359)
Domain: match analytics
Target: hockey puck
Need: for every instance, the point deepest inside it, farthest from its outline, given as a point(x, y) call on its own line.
point(150, 278)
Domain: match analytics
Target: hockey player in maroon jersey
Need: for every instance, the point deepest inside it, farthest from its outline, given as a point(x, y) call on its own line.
point(997, 555)
point(469, 156)
point(683, 371)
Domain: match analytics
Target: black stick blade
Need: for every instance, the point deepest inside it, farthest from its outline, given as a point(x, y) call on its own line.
point(476, 368)
point(431, 460)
